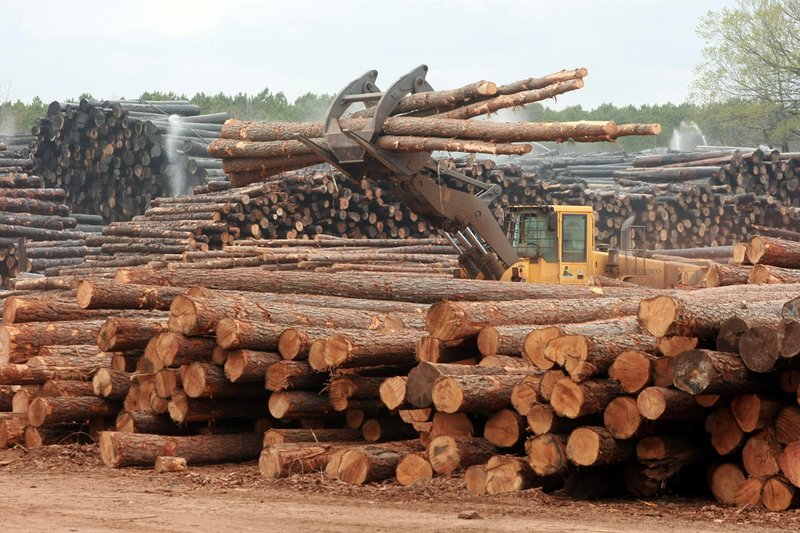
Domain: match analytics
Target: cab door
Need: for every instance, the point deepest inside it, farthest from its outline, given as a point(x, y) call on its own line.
point(574, 244)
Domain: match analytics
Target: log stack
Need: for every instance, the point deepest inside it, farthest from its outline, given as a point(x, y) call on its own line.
point(37, 230)
point(113, 157)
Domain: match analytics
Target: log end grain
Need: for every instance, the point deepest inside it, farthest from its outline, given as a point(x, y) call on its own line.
point(656, 315)
point(412, 469)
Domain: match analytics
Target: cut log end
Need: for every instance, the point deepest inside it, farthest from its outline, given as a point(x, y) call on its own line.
point(656, 315)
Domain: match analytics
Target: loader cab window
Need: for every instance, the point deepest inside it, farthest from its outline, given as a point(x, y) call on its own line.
point(573, 236)
point(532, 236)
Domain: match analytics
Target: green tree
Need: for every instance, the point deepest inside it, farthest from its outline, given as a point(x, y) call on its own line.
point(750, 73)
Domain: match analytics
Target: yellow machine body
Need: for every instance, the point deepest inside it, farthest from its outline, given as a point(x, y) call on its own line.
point(556, 245)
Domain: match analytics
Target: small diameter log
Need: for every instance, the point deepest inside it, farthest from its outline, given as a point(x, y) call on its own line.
point(285, 459)
point(724, 481)
point(633, 370)
point(448, 454)
point(386, 429)
point(70, 409)
point(749, 492)
point(45, 436)
point(392, 392)
point(18, 310)
point(755, 411)
point(504, 429)
point(789, 462)
point(62, 387)
point(761, 454)
point(672, 346)
point(122, 334)
point(370, 349)
point(131, 449)
point(594, 446)
point(100, 294)
point(542, 419)
point(623, 421)
point(475, 479)
point(711, 372)
point(508, 474)
point(547, 454)
point(174, 349)
point(661, 403)
point(761, 274)
point(343, 389)
point(438, 351)
point(245, 366)
point(298, 404)
point(111, 384)
point(573, 400)
point(719, 275)
point(473, 393)
point(584, 357)
point(548, 382)
point(166, 464)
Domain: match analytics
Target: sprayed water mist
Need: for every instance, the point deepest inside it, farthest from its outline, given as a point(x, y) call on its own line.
point(686, 137)
point(178, 178)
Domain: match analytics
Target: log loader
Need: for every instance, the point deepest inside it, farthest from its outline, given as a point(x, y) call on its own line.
point(540, 244)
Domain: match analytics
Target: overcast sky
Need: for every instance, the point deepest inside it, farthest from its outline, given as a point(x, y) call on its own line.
point(637, 51)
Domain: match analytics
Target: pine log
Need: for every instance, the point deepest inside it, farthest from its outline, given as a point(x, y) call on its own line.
point(298, 404)
point(356, 349)
point(787, 425)
point(789, 462)
point(749, 492)
point(672, 346)
point(66, 387)
point(760, 346)
point(508, 474)
point(20, 341)
point(45, 436)
point(12, 429)
point(719, 275)
point(130, 449)
point(183, 409)
point(435, 350)
point(169, 464)
point(726, 435)
point(143, 422)
point(724, 481)
point(594, 446)
point(207, 380)
point(711, 372)
point(386, 429)
point(343, 389)
point(392, 392)
point(584, 357)
point(414, 468)
point(99, 294)
point(755, 411)
point(122, 334)
point(761, 274)
point(661, 403)
point(232, 334)
point(475, 479)
point(285, 459)
point(18, 310)
point(573, 400)
point(244, 366)
point(453, 425)
point(633, 370)
point(774, 252)
point(373, 462)
point(448, 454)
point(61, 410)
point(547, 454)
point(525, 394)
point(290, 436)
point(292, 375)
point(761, 453)
point(452, 320)
point(623, 420)
point(778, 494)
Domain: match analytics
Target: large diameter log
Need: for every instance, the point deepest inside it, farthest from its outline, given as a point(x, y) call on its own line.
point(573, 400)
point(131, 449)
point(285, 459)
point(775, 252)
point(99, 294)
point(421, 378)
point(447, 454)
point(374, 462)
point(70, 409)
point(667, 316)
point(711, 372)
point(452, 320)
point(18, 342)
point(594, 446)
point(122, 334)
point(473, 393)
point(366, 285)
point(367, 348)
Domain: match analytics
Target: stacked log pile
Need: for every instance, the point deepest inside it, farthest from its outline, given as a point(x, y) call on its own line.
point(113, 157)
point(37, 230)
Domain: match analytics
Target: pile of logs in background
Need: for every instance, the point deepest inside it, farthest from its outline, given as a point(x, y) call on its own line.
point(370, 376)
point(113, 157)
point(37, 230)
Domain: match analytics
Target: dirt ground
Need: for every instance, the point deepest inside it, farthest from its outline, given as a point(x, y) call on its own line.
point(67, 488)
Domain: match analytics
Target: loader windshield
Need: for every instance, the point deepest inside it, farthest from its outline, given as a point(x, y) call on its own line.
point(532, 238)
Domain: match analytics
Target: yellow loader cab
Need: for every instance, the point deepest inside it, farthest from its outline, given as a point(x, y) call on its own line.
point(555, 244)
